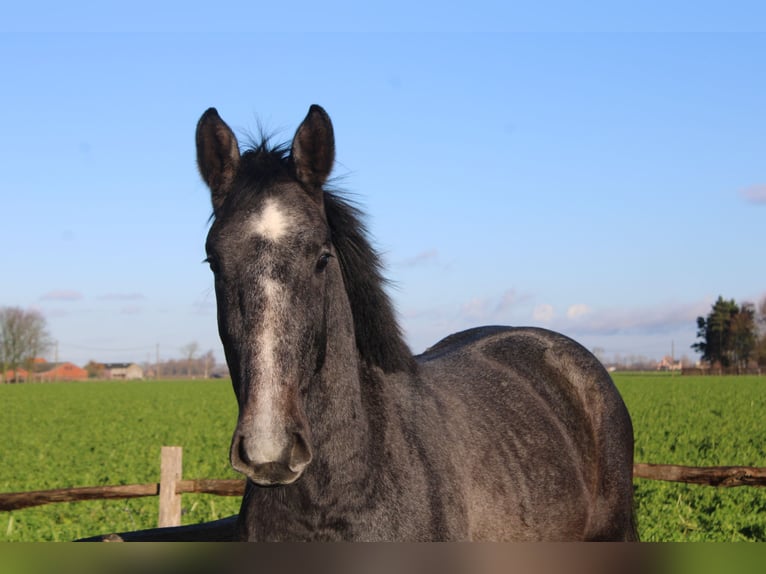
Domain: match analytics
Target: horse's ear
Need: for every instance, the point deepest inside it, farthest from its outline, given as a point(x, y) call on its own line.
point(217, 155)
point(313, 149)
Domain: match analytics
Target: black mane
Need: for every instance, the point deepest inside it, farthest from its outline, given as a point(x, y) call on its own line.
point(378, 335)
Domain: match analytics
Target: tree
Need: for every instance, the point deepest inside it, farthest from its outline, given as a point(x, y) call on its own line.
point(760, 318)
point(742, 335)
point(208, 362)
point(713, 330)
point(760, 324)
point(95, 369)
point(189, 350)
point(23, 336)
point(728, 333)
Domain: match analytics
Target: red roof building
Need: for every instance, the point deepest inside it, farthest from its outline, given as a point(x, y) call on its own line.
point(58, 372)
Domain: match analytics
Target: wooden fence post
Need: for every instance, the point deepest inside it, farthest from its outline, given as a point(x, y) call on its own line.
point(171, 470)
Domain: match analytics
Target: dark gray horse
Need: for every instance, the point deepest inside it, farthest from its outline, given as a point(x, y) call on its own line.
point(495, 433)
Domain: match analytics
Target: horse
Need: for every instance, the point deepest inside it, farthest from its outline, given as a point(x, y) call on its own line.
point(495, 433)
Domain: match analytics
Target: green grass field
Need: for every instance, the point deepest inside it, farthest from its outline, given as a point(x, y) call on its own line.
point(105, 433)
point(698, 421)
point(61, 435)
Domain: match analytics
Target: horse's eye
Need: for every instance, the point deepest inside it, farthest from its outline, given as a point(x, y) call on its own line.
point(213, 264)
point(323, 261)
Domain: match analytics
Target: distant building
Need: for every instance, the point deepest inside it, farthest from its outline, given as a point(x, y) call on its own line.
point(15, 376)
point(57, 372)
point(42, 370)
point(668, 364)
point(124, 371)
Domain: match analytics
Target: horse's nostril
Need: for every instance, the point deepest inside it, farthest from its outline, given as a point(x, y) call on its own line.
point(241, 451)
point(300, 454)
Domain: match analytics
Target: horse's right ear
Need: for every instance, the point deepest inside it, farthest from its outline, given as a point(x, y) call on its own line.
point(217, 155)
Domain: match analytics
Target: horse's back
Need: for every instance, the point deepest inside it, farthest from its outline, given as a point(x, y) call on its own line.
point(542, 428)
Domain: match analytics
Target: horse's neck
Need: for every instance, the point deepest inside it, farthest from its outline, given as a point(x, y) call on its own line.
point(334, 403)
point(350, 406)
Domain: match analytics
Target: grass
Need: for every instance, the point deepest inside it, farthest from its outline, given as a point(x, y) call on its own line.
point(63, 435)
point(698, 421)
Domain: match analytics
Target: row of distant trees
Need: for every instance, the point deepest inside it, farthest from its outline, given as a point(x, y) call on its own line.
point(635, 362)
point(203, 367)
point(733, 335)
point(24, 336)
point(192, 364)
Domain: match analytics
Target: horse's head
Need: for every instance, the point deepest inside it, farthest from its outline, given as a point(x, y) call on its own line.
point(270, 250)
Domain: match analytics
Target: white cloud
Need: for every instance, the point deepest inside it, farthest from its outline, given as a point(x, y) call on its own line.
point(507, 300)
point(661, 318)
point(62, 295)
point(754, 194)
point(122, 297)
point(578, 310)
point(491, 309)
point(543, 313)
point(642, 326)
point(475, 310)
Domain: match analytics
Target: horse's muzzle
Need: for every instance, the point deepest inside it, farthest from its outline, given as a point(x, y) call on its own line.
point(267, 462)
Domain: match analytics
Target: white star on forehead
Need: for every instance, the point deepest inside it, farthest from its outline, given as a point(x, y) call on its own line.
point(272, 223)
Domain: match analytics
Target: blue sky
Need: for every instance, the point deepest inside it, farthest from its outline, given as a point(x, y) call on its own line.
point(598, 173)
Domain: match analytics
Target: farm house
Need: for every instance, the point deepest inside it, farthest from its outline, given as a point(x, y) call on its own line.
point(14, 375)
point(44, 371)
point(57, 372)
point(126, 371)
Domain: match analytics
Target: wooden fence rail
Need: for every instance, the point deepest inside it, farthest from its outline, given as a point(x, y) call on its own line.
point(169, 489)
point(706, 475)
point(19, 500)
point(172, 485)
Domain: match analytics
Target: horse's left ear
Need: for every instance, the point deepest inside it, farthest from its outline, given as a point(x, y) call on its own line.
point(313, 149)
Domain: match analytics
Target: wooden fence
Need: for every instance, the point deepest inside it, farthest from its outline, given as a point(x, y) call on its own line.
point(169, 489)
point(705, 475)
point(172, 486)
